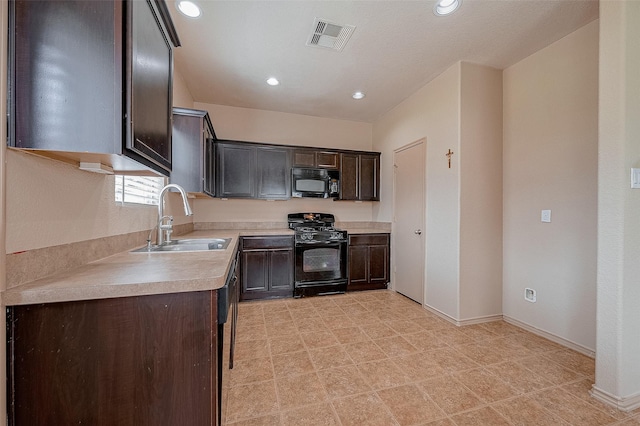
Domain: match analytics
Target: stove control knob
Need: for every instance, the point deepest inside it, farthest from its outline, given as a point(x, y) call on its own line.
point(335, 236)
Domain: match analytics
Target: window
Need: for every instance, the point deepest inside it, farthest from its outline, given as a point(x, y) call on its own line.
point(138, 189)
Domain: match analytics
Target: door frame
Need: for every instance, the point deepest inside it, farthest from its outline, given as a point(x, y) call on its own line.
point(423, 212)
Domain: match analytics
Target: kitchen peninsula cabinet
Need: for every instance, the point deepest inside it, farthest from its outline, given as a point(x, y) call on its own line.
point(267, 267)
point(248, 170)
point(369, 260)
point(143, 360)
point(91, 81)
point(316, 158)
point(360, 176)
point(193, 141)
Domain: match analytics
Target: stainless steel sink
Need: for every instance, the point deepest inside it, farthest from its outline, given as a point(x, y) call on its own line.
point(196, 244)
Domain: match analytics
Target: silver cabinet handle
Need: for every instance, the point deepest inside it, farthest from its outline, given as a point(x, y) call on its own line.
point(418, 232)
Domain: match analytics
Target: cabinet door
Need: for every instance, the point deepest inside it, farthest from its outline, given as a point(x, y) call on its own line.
point(209, 172)
point(327, 160)
point(281, 270)
point(209, 184)
point(273, 173)
point(304, 158)
point(379, 264)
point(149, 86)
point(369, 179)
point(255, 272)
point(147, 360)
point(192, 141)
point(70, 100)
point(349, 176)
point(236, 167)
point(188, 144)
point(358, 265)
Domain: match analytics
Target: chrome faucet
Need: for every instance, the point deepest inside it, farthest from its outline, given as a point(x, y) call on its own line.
point(168, 228)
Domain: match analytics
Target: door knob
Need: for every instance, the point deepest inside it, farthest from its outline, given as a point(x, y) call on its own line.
point(418, 232)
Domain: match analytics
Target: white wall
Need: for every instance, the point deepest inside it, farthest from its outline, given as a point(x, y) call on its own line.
point(50, 203)
point(618, 345)
point(460, 110)
point(480, 192)
point(550, 162)
point(431, 113)
point(181, 95)
point(284, 129)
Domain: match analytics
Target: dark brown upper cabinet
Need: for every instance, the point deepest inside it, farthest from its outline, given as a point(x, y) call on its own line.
point(193, 140)
point(236, 170)
point(91, 81)
point(249, 170)
point(255, 170)
point(360, 176)
point(273, 173)
point(316, 158)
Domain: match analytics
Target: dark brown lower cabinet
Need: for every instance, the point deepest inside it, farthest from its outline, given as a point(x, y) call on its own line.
point(146, 360)
point(368, 261)
point(267, 267)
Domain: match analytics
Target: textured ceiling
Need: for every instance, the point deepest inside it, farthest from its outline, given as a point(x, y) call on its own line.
point(397, 47)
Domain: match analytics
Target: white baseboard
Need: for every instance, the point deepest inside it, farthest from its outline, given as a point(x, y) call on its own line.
point(489, 318)
point(470, 321)
point(626, 404)
point(549, 336)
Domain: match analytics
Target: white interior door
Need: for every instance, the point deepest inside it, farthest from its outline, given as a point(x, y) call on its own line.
point(409, 220)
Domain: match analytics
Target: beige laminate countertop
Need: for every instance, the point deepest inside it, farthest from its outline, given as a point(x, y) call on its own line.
point(136, 274)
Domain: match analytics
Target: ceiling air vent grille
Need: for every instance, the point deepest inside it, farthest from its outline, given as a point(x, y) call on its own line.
point(329, 35)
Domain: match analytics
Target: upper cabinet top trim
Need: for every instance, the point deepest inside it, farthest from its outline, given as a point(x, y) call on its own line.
point(168, 22)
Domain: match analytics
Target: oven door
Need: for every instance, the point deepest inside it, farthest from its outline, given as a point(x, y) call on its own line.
point(322, 265)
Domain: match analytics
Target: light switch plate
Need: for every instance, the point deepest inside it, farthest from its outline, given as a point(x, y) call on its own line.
point(545, 216)
point(635, 178)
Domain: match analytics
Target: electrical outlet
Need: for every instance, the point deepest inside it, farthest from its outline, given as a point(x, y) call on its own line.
point(530, 295)
point(545, 216)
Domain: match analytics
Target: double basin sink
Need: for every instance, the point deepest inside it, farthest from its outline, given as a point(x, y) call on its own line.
point(187, 245)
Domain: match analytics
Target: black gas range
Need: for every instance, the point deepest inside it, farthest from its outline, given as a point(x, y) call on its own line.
point(321, 255)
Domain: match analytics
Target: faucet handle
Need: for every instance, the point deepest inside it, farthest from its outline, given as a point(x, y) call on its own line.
point(168, 229)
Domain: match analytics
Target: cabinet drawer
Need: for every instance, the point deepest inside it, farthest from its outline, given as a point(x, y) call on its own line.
point(368, 239)
point(275, 242)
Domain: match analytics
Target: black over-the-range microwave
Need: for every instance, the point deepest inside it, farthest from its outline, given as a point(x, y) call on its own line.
point(316, 183)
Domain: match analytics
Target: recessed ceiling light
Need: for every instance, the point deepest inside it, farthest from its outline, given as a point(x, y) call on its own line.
point(445, 7)
point(272, 81)
point(188, 8)
point(358, 95)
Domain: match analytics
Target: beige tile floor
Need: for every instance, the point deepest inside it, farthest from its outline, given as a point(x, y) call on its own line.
point(377, 358)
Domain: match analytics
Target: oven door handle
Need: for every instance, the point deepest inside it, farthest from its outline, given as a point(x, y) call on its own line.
point(321, 243)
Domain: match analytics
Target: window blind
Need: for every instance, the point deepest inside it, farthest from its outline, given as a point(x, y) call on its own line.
point(138, 189)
